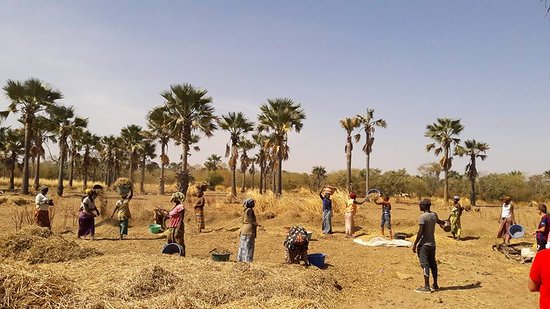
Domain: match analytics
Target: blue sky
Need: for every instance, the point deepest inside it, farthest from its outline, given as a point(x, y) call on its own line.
point(485, 62)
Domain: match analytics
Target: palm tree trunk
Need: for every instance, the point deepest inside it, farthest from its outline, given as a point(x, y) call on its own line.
point(446, 174)
point(28, 134)
point(85, 168)
point(142, 181)
point(262, 174)
point(161, 180)
point(184, 175)
point(233, 181)
point(61, 166)
point(274, 181)
point(280, 174)
point(473, 191)
point(71, 168)
point(367, 165)
point(12, 171)
point(131, 174)
point(37, 173)
point(348, 161)
point(244, 182)
point(252, 174)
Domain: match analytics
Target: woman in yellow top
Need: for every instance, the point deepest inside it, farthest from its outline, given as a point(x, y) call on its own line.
point(351, 209)
point(123, 209)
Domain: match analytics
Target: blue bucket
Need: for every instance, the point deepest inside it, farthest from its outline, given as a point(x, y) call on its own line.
point(516, 231)
point(172, 248)
point(317, 259)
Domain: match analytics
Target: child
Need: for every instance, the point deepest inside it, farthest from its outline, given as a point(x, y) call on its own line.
point(424, 245)
point(454, 217)
point(544, 227)
point(123, 208)
point(386, 215)
point(349, 215)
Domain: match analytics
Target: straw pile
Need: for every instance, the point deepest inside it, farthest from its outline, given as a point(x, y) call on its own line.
point(25, 287)
point(35, 244)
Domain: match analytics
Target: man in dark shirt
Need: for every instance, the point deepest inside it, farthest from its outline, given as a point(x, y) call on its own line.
point(544, 226)
point(424, 245)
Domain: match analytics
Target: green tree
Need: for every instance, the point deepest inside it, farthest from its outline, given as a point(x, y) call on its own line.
point(132, 139)
point(90, 142)
point(280, 116)
point(190, 111)
point(158, 122)
point(444, 132)
point(474, 150)
point(212, 163)
point(75, 145)
point(260, 140)
point(368, 125)
point(349, 124)
point(147, 152)
point(319, 174)
point(43, 130)
point(13, 141)
point(237, 125)
point(245, 146)
point(28, 98)
point(65, 123)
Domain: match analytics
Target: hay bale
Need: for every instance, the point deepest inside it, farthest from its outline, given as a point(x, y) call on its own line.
point(35, 244)
point(24, 287)
point(148, 282)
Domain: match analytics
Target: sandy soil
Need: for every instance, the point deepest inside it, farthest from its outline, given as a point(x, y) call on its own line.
point(472, 275)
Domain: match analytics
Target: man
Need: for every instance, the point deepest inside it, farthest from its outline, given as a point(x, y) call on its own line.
point(424, 245)
point(544, 227)
point(456, 213)
point(539, 278)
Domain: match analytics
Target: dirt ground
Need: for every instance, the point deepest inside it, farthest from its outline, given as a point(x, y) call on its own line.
point(471, 274)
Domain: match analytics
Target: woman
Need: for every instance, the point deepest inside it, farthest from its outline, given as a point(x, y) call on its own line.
point(456, 213)
point(176, 227)
point(296, 245)
point(43, 204)
point(385, 219)
point(248, 232)
point(86, 224)
point(199, 211)
point(349, 215)
point(506, 220)
point(327, 213)
point(123, 209)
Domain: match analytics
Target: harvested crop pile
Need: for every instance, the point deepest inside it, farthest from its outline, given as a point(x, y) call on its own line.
point(25, 287)
point(39, 245)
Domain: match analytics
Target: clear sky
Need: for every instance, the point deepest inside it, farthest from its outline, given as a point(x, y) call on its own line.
point(485, 62)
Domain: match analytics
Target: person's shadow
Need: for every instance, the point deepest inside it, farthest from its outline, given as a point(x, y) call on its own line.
point(470, 286)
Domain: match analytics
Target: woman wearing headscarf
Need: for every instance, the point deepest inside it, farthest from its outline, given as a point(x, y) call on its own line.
point(351, 209)
point(199, 211)
point(454, 217)
point(296, 245)
point(176, 227)
point(327, 212)
point(248, 232)
point(506, 220)
point(88, 211)
point(43, 204)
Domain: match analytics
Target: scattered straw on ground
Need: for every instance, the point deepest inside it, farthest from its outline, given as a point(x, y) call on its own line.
point(39, 245)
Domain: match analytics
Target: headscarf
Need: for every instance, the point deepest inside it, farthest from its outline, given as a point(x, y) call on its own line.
point(42, 188)
point(249, 203)
point(456, 197)
point(177, 196)
point(352, 195)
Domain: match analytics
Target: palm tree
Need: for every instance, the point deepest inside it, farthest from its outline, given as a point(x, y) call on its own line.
point(260, 158)
point(190, 111)
point(65, 123)
point(349, 124)
point(74, 147)
point(245, 146)
point(319, 174)
point(369, 124)
point(29, 98)
point(212, 162)
point(132, 139)
point(237, 125)
point(280, 116)
point(252, 170)
point(42, 132)
point(147, 152)
point(89, 142)
point(13, 140)
point(444, 132)
point(474, 150)
point(158, 121)
point(106, 149)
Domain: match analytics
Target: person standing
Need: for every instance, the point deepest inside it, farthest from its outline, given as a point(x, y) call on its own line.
point(506, 220)
point(454, 217)
point(327, 212)
point(199, 211)
point(351, 210)
point(539, 278)
point(123, 209)
point(386, 215)
point(88, 211)
point(248, 232)
point(424, 245)
point(541, 232)
point(43, 204)
point(176, 227)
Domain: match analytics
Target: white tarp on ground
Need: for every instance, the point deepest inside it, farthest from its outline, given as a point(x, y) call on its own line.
point(383, 242)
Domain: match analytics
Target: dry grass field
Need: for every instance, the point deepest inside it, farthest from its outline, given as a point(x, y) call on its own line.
point(131, 273)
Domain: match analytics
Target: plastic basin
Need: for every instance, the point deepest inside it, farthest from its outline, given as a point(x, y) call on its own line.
point(172, 248)
point(220, 257)
point(516, 231)
point(154, 228)
point(317, 259)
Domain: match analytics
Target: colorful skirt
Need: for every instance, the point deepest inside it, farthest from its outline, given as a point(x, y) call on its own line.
point(504, 226)
point(176, 235)
point(327, 222)
point(246, 248)
point(199, 215)
point(42, 218)
point(86, 224)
